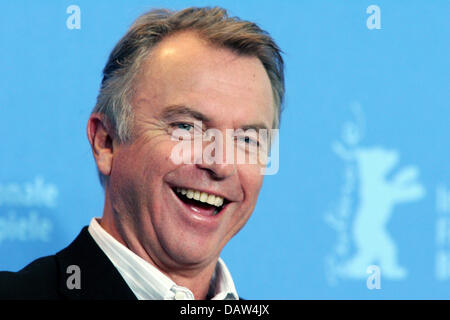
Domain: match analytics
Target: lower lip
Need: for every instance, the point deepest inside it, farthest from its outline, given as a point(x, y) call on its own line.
point(195, 214)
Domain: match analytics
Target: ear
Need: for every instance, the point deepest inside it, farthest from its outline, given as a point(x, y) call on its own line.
point(101, 140)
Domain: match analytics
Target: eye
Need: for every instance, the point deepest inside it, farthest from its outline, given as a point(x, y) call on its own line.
point(183, 126)
point(249, 140)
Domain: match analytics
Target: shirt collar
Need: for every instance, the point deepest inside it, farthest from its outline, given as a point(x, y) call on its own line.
point(147, 282)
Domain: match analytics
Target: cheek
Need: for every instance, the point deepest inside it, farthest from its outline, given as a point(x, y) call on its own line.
point(123, 188)
point(251, 181)
point(150, 157)
point(122, 172)
point(137, 167)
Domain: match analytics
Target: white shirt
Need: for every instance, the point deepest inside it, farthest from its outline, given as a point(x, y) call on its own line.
point(146, 281)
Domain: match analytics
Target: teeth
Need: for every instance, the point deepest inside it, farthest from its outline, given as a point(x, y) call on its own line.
point(204, 197)
point(211, 199)
point(219, 202)
point(201, 196)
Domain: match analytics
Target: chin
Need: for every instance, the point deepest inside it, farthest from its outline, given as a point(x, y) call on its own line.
point(195, 255)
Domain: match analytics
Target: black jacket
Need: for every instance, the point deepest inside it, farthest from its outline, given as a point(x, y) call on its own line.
point(47, 277)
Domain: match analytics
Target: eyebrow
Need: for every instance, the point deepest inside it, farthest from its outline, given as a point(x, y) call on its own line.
point(175, 111)
point(256, 126)
point(172, 112)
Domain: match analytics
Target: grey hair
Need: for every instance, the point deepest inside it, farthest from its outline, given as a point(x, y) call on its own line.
point(211, 24)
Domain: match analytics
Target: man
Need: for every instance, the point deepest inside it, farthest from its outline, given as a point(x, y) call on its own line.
point(165, 223)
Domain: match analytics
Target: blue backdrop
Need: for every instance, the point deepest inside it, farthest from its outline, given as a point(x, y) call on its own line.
point(364, 173)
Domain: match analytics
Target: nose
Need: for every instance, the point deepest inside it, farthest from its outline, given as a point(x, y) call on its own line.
point(218, 171)
point(215, 158)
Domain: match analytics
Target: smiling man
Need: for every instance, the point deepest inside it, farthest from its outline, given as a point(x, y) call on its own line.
point(164, 223)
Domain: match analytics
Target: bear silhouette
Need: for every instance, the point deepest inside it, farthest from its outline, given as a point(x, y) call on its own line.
point(377, 197)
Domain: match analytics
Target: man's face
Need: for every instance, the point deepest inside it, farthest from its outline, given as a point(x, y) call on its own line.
point(185, 80)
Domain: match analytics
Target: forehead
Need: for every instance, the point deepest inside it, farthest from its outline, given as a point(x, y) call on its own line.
point(185, 70)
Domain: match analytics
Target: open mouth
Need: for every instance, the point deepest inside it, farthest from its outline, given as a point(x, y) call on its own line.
point(201, 202)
